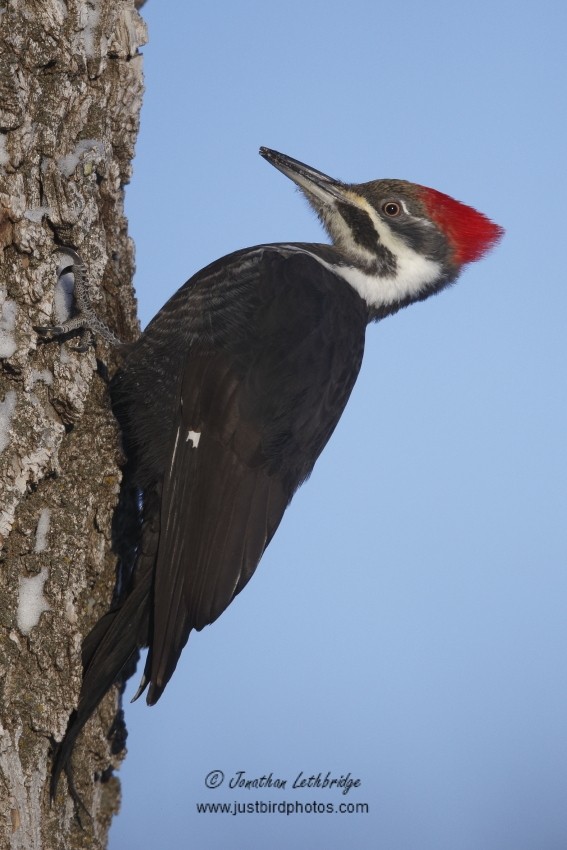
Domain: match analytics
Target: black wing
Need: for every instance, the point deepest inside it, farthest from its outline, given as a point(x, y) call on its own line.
point(265, 347)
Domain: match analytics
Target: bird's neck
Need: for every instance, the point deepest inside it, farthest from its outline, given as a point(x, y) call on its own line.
point(384, 287)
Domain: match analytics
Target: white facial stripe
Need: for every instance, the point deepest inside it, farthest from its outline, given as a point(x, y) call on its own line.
point(413, 273)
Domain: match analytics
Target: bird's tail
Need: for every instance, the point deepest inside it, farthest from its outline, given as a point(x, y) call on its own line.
point(107, 650)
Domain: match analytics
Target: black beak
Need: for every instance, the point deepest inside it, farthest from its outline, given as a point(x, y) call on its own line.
point(316, 184)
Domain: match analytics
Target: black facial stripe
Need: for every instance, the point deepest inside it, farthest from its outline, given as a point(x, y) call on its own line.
point(361, 226)
point(364, 234)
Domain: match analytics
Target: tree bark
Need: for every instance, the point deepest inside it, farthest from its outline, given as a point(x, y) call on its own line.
point(70, 94)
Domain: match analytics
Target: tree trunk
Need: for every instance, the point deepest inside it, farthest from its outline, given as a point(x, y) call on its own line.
point(70, 94)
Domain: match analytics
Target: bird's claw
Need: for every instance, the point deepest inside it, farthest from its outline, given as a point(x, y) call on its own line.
point(86, 320)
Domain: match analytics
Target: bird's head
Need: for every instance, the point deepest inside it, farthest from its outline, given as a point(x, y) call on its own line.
point(398, 242)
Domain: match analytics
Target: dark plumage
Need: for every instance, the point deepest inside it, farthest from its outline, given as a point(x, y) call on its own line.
point(229, 396)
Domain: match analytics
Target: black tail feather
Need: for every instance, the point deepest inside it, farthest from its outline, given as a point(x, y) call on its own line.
point(107, 650)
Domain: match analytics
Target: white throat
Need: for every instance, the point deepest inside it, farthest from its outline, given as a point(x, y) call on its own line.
point(413, 274)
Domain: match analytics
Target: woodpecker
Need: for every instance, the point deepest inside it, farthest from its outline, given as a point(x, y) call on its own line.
point(229, 396)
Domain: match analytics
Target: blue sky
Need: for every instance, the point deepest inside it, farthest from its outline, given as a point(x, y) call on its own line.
point(407, 624)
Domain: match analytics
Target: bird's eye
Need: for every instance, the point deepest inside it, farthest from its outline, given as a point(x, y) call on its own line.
point(391, 208)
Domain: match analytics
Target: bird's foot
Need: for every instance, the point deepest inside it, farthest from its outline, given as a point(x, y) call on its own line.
point(86, 319)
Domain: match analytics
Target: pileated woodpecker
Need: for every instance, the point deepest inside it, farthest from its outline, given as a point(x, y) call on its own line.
point(229, 396)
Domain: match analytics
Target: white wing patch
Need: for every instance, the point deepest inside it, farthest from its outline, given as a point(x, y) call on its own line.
point(194, 437)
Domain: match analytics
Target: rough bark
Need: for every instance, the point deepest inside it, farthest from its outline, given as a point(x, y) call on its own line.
point(70, 94)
